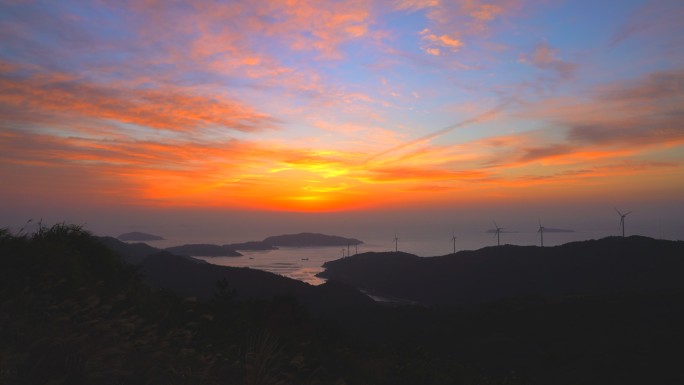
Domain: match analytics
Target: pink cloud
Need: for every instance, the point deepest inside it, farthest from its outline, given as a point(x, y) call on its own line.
point(166, 109)
point(434, 43)
point(620, 120)
point(414, 5)
point(230, 28)
point(452, 23)
point(545, 57)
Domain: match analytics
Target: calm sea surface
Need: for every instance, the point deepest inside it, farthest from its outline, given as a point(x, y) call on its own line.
point(305, 262)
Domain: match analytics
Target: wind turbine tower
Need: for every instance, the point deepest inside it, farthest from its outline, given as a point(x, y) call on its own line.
point(541, 233)
point(453, 239)
point(396, 243)
point(622, 220)
point(498, 232)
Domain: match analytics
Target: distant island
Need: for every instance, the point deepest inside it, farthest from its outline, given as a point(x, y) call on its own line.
point(230, 250)
point(139, 237)
point(270, 243)
point(203, 250)
point(251, 246)
point(310, 240)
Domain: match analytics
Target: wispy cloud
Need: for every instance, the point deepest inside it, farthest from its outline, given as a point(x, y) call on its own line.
point(451, 23)
point(545, 57)
point(618, 120)
point(653, 18)
point(166, 109)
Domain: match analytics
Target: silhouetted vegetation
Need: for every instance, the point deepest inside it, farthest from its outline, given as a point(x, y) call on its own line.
point(71, 312)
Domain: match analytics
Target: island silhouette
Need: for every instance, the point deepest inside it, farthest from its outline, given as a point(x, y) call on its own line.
point(269, 243)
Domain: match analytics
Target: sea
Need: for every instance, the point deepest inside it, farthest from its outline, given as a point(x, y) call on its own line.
point(303, 263)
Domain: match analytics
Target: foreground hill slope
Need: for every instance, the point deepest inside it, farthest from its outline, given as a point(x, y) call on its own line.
point(72, 313)
point(192, 277)
point(608, 265)
point(196, 278)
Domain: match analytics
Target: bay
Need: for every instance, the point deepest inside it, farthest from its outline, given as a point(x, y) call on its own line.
point(303, 263)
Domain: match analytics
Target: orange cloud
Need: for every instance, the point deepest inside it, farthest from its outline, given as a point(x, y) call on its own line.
point(165, 109)
point(414, 5)
point(418, 174)
point(227, 28)
point(484, 12)
point(452, 22)
point(242, 174)
point(444, 41)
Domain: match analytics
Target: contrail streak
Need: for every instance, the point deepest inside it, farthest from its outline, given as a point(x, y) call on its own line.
point(443, 131)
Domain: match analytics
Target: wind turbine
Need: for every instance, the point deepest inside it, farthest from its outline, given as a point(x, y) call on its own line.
point(622, 220)
point(396, 243)
point(541, 233)
point(498, 231)
point(453, 239)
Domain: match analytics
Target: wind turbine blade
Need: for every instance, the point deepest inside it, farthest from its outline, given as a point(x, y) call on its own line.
point(627, 213)
point(617, 211)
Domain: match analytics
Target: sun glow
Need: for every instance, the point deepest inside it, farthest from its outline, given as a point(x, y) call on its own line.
point(337, 105)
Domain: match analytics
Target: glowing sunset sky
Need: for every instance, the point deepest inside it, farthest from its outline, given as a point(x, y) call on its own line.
point(340, 105)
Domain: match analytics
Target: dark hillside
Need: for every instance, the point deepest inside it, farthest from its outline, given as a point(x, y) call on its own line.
point(192, 277)
point(132, 253)
point(197, 278)
point(72, 312)
point(609, 265)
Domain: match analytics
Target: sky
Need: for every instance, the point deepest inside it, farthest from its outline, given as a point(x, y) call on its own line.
point(304, 115)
